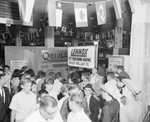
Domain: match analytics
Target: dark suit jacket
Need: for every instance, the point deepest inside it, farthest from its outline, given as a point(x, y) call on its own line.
point(110, 111)
point(4, 110)
point(94, 106)
point(98, 82)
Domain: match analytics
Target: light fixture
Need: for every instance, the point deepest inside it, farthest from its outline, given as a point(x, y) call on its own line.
point(96, 42)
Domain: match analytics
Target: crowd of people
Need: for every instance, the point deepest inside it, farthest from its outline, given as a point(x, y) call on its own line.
point(96, 96)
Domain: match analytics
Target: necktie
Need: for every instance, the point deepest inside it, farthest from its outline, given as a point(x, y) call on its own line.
point(88, 105)
point(2, 94)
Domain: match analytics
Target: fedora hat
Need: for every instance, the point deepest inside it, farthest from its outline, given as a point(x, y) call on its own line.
point(112, 90)
point(89, 86)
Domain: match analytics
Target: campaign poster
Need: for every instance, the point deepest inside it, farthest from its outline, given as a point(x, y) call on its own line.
point(114, 61)
point(18, 64)
point(81, 56)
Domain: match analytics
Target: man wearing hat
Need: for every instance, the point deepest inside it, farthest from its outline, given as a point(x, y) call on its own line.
point(132, 111)
point(93, 103)
point(4, 99)
point(121, 72)
point(110, 111)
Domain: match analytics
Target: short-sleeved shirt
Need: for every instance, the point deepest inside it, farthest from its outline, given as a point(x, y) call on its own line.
point(24, 104)
point(35, 117)
point(78, 117)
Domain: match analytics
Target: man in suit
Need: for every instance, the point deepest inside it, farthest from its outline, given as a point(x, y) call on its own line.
point(95, 80)
point(4, 99)
point(93, 103)
point(110, 111)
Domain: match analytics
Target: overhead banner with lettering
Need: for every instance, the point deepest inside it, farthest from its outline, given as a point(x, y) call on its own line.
point(49, 56)
point(82, 56)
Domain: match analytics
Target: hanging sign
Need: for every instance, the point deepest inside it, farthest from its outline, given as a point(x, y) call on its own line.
point(82, 56)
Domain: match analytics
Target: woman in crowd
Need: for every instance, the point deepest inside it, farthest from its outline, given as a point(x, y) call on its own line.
point(50, 75)
point(40, 78)
point(47, 85)
point(74, 78)
point(14, 83)
point(85, 79)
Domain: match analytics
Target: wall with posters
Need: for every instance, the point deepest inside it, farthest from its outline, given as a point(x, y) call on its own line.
point(38, 58)
point(82, 56)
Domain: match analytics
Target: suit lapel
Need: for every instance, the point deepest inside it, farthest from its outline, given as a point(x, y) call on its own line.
point(1, 99)
point(90, 103)
point(7, 96)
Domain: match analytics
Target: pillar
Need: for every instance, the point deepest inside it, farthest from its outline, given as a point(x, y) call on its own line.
point(140, 48)
point(49, 37)
point(118, 36)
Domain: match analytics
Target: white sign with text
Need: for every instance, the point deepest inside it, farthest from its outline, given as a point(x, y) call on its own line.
point(81, 56)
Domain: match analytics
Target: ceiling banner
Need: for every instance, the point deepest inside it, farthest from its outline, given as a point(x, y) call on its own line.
point(101, 13)
point(81, 14)
point(54, 13)
point(26, 9)
point(117, 6)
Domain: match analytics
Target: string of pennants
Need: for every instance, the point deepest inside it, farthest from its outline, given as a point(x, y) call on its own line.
point(105, 38)
point(55, 12)
point(29, 37)
point(24, 36)
point(69, 32)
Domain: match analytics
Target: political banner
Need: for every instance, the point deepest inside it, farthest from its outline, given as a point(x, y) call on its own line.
point(101, 13)
point(55, 13)
point(81, 14)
